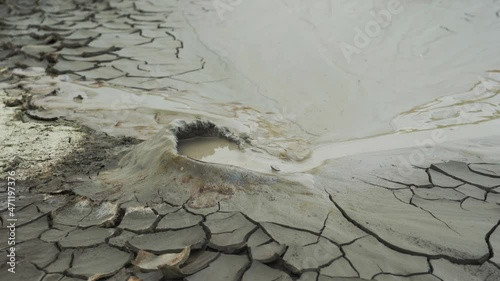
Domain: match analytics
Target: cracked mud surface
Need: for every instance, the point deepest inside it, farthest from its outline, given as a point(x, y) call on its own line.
point(117, 210)
point(383, 229)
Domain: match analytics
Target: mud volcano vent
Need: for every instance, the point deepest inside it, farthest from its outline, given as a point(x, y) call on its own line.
point(154, 167)
point(200, 139)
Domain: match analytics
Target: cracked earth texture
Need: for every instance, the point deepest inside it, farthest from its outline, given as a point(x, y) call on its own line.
point(144, 212)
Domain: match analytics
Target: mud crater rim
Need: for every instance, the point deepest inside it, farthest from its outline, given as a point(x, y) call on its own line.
point(201, 138)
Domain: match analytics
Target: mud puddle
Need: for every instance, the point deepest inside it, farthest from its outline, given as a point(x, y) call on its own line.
point(201, 148)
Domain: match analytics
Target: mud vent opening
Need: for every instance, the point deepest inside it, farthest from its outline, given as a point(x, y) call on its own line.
point(201, 148)
point(204, 141)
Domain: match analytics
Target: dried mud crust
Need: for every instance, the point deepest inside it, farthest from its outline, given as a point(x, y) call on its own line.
point(44, 151)
point(106, 208)
point(218, 243)
point(151, 230)
point(259, 228)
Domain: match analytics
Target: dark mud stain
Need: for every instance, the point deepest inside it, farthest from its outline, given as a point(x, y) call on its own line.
point(97, 151)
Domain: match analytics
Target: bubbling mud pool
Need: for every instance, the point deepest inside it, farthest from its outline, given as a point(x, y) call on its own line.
point(201, 148)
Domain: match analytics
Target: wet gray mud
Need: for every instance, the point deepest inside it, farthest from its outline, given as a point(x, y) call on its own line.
point(201, 147)
point(119, 199)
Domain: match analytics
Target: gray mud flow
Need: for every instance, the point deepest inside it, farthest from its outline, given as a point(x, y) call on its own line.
point(237, 140)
